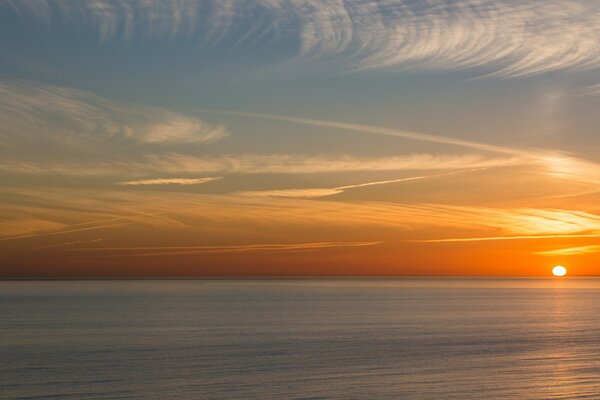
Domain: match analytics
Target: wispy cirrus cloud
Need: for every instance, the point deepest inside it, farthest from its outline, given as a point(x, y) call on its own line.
point(226, 249)
point(511, 237)
point(556, 164)
point(570, 251)
point(66, 244)
point(26, 225)
point(507, 38)
point(524, 224)
point(66, 212)
point(51, 228)
point(323, 192)
point(592, 91)
point(170, 181)
point(35, 114)
point(57, 130)
point(278, 163)
point(306, 163)
point(82, 134)
point(383, 131)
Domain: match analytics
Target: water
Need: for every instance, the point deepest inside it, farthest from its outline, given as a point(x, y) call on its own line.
point(301, 339)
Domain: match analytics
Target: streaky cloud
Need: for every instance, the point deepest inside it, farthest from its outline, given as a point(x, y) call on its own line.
point(170, 181)
point(66, 244)
point(503, 38)
point(570, 251)
point(37, 114)
point(524, 224)
point(306, 163)
point(556, 163)
point(514, 237)
point(376, 130)
point(591, 91)
point(323, 192)
point(226, 249)
point(411, 221)
point(277, 163)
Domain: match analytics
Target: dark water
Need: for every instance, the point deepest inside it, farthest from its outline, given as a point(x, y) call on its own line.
point(301, 339)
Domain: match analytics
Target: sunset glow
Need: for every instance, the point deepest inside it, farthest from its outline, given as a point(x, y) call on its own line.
point(221, 138)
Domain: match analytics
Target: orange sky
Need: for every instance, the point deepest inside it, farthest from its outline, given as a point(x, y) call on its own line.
point(229, 138)
point(167, 234)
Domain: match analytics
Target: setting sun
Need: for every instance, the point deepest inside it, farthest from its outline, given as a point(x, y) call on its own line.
point(559, 270)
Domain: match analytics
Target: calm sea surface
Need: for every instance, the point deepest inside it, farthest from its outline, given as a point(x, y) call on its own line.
point(301, 339)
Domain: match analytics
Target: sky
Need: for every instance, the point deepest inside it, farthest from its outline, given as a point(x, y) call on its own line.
point(299, 137)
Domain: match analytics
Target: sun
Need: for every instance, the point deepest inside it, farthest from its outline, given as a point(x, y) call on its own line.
point(559, 270)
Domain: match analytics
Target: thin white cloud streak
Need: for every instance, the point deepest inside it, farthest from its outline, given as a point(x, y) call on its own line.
point(72, 125)
point(572, 169)
point(324, 192)
point(556, 221)
point(60, 119)
point(175, 163)
point(170, 181)
point(35, 114)
point(229, 249)
point(556, 163)
point(27, 225)
point(570, 251)
point(519, 224)
point(200, 212)
point(511, 38)
point(63, 231)
point(524, 224)
point(591, 91)
point(50, 209)
point(65, 244)
point(376, 130)
point(301, 163)
point(517, 237)
point(508, 38)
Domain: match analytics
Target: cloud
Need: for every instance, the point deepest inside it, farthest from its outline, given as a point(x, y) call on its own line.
point(58, 229)
point(41, 115)
point(323, 192)
point(57, 130)
point(511, 237)
point(523, 224)
point(571, 251)
point(304, 163)
point(297, 193)
point(28, 226)
point(170, 181)
point(591, 91)
point(64, 244)
point(72, 211)
point(376, 130)
point(550, 221)
point(50, 211)
point(228, 249)
point(176, 163)
point(555, 163)
point(506, 38)
point(572, 169)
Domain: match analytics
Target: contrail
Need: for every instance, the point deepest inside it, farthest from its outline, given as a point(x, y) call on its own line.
point(520, 237)
point(412, 178)
point(375, 130)
point(556, 163)
point(324, 192)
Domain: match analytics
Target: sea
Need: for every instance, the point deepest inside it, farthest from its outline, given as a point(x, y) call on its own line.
point(301, 338)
